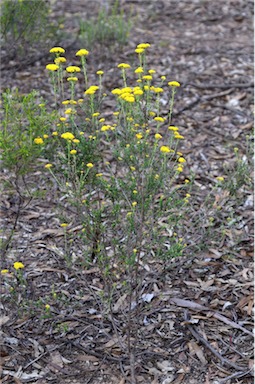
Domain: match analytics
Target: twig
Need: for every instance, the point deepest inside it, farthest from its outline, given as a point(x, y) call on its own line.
point(198, 307)
point(200, 338)
point(236, 375)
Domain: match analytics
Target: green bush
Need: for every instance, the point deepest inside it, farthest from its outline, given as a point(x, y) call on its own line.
point(24, 26)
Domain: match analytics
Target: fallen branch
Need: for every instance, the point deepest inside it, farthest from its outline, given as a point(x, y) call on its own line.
point(200, 338)
point(198, 307)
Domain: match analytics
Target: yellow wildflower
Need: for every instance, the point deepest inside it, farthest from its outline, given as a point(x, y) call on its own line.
point(134, 203)
point(67, 136)
point(173, 128)
point(38, 140)
point(62, 118)
point(57, 50)
point(139, 136)
point(100, 73)
point(132, 168)
point(4, 271)
point(143, 45)
point(163, 78)
point(139, 50)
point(220, 178)
point(76, 141)
point(72, 69)
point(55, 133)
point(82, 52)
point(47, 307)
point(159, 118)
point(139, 70)
point(181, 160)
point(123, 65)
point(178, 136)
point(180, 168)
point(174, 84)
point(165, 149)
point(151, 71)
point(147, 77)
point(66, 102)
point(73, 152)
point(52, 67)
point(90, 165)
point(99, 174)
point(72, 78)
point(48, 166)
point(18, 265)
point(59, 60)
point(158, 136)
point(45, 136)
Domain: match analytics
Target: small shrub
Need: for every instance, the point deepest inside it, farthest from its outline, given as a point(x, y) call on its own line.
point(107, 29)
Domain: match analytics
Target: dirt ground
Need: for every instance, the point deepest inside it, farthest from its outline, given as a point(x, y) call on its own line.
point(198, 327)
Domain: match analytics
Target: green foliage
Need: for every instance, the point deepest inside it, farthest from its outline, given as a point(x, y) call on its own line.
point(25, 118)
point(25, 26)
point(107, 29)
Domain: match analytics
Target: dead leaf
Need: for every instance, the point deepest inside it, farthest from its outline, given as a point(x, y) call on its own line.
point(195, 349)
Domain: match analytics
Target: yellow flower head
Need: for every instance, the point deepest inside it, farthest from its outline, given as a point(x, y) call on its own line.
point(143, 45)
point(100, 73)
point(123, 65)
point(82, 52)
point(139, 50)
point(72, 69)
point(147, 77)
point(163, 78)
point(18, 265)
point(159, 118)
point(47, 307)
point(63, 225)
point(151, 71)
point(139, 70)
point(59, 60)
point(4, 271)
point(158, 136)
point(67, 136)
point(55, 133)
point(178, 136)
point(52, 67)
point(220, 178)
point(57, 50)
point(139, 136)
point(38, 140)
point(72, 78)
point(181, 160)
point(174, 84)
point(173, 128)
point(90, 165)
point(165, 149)
point(48, 166)
point(73, 152)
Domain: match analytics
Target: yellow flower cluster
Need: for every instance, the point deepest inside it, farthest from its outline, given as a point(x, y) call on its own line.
point(57, 50)
point(82, 52)
point(52, 67)
point(128, 93)
point(91, 90)
point(73, 69)
point(67, 136)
